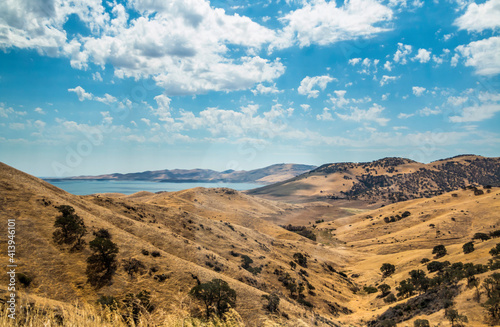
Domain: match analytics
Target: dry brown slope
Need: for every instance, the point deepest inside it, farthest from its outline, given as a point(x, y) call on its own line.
point(386, 180)
point(456, 217)
point(188, 242)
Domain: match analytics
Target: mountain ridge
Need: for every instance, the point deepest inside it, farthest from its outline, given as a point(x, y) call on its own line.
point(387, 180)
point(265, 175)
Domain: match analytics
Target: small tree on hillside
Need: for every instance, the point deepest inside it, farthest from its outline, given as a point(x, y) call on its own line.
point(101, 265)
point(387, 269)
point(132, 266)
point(481, 236)
point(273, 302)
point(70, 228)
point(439, 251)
point(300, 259)
point(468, 247)
point(421, 323)
point(215, 295)
point(454, 317)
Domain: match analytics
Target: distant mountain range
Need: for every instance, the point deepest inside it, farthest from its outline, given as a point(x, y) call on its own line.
point(267, 175)
point(387, 180)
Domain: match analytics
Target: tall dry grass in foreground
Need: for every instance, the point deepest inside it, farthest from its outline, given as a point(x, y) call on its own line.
point(87, 315)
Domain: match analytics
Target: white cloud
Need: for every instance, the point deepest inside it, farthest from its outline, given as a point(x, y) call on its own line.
point(423, 56)
point(39, 124)
point(489, 97)
point(446, 37)
point(163, 108)
point(80, 92)
point(107, 99)
point(305, 107)
point(97, 76)
point(418, 90)
point(339, 99)
point(457, 101)
point(405, 116)
point(388, 66)
point(186, 47)
point(476, 113)
point(371, 114)
point(402, 52)
point(385, 96)
point(39, 111)
point(325, 116)
point(261, 89)
point(428, 111)
point(308, 83)
point(483, 55)
point(354, 61)
point(323, 23)
point(480, 17)
point(146, 121)
point(386, 79)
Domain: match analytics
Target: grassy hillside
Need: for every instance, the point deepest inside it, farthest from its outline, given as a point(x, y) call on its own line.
point(201, 234)
point(386, 180)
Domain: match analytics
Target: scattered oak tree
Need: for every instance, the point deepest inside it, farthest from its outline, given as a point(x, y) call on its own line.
point(387, 269)
point(70, 228)
point(468, 247)
point(101, 265)
point(454, 317)
point(216, 296)
point(439, 251)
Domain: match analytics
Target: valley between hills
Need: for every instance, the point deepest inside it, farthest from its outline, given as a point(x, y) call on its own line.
point(314, 244)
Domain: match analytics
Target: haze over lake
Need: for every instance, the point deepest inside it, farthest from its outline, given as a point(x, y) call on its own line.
point(85, 187)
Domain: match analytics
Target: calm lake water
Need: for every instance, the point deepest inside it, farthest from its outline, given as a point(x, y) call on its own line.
point(85, 187)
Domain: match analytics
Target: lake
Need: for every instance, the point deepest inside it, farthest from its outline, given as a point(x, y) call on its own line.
point(85, 187)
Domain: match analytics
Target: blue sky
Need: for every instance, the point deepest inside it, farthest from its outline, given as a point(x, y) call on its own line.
point(91, 87)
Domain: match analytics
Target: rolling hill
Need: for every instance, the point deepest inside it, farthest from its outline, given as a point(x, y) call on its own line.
point(386, 180)
point(201, 234)
point(267, 175)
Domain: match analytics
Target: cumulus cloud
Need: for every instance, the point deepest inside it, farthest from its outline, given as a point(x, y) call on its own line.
point(261, 89)
point(325, 116)
point(371, 114)
point(388, 66)
point(39, 110)
point(402, 53)
point(386, 79)
point(476, 113)
point(308, 84)
point(305, 107)
point(80, 92)
point(457, 101)
point(422, 56)
point(405, 116)
point(418, 90)
point(321, 22)
point(483, 55)
point(478, 18)
point(428, 111)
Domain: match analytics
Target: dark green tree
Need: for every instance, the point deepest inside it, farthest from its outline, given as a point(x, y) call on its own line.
point(481, 236)
point(384, 288)
point(439, 251)
point(421, 323)
point(102, 264)
point(132, 266)
point(492, 288)
point(70, 228)
point(405, 288)
point(454, 317)
point(300, 259)
point(273, 302)
point(419, 280)
point(387, 269)
point(468, 247)
point(216, 296)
